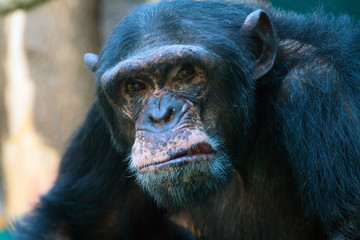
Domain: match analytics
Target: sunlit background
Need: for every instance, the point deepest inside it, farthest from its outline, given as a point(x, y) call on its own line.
point(45, 89)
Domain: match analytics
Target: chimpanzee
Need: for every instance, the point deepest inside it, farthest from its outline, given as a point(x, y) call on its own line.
point(214, 120)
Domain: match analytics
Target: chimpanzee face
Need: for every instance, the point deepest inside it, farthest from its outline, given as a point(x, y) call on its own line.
point(163, 93)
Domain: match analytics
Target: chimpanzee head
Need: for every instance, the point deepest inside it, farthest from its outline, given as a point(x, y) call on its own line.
point(177, 92)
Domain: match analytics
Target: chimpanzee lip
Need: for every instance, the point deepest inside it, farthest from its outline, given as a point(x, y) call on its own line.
point(197, 152)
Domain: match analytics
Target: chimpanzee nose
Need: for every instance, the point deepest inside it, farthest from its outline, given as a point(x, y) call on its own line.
point(161, 113)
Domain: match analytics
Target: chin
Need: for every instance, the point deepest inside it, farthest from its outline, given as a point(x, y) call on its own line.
point(187, 181)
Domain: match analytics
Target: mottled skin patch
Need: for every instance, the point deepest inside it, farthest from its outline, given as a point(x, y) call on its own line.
point(152, 148)
point(192, 86)
point(156, 147)
point(132, 103)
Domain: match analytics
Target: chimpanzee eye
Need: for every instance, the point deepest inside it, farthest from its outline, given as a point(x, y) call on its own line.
point(135, 86)
point(185, 72)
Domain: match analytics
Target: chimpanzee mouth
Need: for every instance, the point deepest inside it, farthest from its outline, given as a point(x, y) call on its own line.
point(197, 152)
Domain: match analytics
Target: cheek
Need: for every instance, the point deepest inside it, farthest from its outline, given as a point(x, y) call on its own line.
point(136, 107)
point(210, 115)
point(123, 132)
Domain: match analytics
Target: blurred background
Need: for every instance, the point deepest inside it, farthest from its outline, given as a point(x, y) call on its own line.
point(45, 89)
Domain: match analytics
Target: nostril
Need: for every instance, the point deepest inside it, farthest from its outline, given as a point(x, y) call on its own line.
point(156, 121)
point(169, 115)
point(164, 118)
point(151, 118)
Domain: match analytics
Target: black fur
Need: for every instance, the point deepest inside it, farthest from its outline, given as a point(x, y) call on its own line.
point(293, 135)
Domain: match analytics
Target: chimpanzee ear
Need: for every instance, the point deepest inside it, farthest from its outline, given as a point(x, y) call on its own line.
point(259, 27)
point(91, 60)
